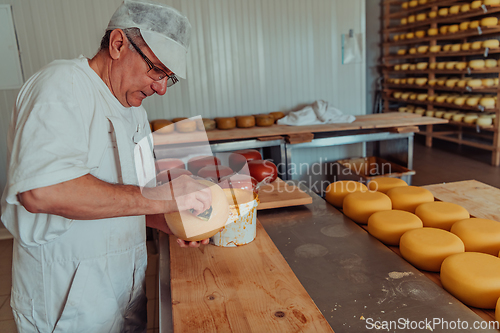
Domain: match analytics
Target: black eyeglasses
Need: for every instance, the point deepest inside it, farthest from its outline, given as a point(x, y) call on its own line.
point(154, 72)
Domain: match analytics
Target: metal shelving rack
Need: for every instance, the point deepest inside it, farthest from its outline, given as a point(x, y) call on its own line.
point(454, 131)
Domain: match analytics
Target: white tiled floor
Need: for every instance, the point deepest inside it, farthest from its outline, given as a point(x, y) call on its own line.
point(7, 320)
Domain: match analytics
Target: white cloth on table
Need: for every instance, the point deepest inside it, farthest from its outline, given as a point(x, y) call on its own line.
point(320, 112)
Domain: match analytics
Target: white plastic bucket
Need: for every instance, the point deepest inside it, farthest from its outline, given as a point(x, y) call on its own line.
point(242, 229)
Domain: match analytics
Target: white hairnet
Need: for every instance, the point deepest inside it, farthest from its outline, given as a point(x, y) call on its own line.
point(166, 31)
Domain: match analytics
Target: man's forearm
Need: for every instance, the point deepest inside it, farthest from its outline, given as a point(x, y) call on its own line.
point(89, 198)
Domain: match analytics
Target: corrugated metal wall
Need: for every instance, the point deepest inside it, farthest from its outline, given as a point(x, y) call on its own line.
point(246, 56)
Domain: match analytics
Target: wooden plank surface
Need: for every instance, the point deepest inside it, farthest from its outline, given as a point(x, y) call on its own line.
point(280, 194)
point(372, 121)
point(248, 288)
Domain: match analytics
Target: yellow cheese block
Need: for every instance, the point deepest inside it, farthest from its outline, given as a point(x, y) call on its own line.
point(484, 121)
point(479, 235)
point(432, 32)
point(489, 22)
point(472, 277)
point(409, 197)
point(470, 119)
point(491, 43)
point(422, 17)
point(464, 25)
point(359, 206)
point(388, 226)
point(435, 48)
point(465, 8)
point(455, 9)
point(491, 63)
point(466, 46)
point(474, 24)
point(420, 34)
point(477, 64)
point(432, 14)
point(426, 248)
point(337, 191)
point(476, 4)
point(443, 11)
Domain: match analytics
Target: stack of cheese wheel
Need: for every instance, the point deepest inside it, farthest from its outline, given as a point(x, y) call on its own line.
point(479, 235)
point(384, 184)
point(225, 123)
point(409, 197)
point(472, 277)
point(426, 248)
point(439, 214)
point(337, 191)
point(388, 226)
point(359, 206)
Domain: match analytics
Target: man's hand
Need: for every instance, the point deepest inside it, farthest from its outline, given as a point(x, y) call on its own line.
point(158, 222)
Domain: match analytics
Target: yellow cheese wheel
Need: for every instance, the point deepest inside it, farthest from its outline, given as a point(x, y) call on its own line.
point(491, 43)
point(443, 30)
point(384, 184)
point(412, 67)
point(163, 126)
point(460, 101)
point(479, 235)
point(245, 121)
point(476, 4)
point(359, 206)
point(264, 120)
point(453, 28)
point(488, 102)
point(422, 66)
point(337, 191)
point(413, 3)
point(475, 83)
point(185, 126)
point(395, 38)
point(489, 22)
point(404, 21)
point(488, 82)
point(441, 98)
point(435, 48)
point(388, 226)
point(277, 115)
point(422, 17)
point(429, 113)
point(458, 117)
point(402, 37)
point(420, 111)
point(423, 49)
point(421, 81)
point(462, 83)
point(404, 5)
point(412, 50)
point(409, 197)
point(464, 25)
point(484, 121)
point(443, 11)
point(413, 96)
point(470, 119)
point(450, 99)
point(433, 65)
point(465, 8)
point(441, 66)
point(491, 2)
point(472, 101)
point(451, 65)
point(420, 34)
point(410, 80)
point(491, 63)
point(474, 24)
point(397, 67)
point(449, 115)
point(405, 96)
point(422, 97)
point(461, 65)
point(447, 47)
point(226, 123)
point(440, 214)
point(422, 2)
point(412, 19)
point(426, 248)
point(456, 47)
point(450, 83)
point(455, 9)
point(477, 64)
point(402, 109)
point(466, 46)
point(410, 35)
point(432, 32)
point(432, 82)
point(472, 277)
point(439, 114)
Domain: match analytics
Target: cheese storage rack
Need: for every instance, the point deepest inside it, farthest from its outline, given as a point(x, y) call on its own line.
point(484, 137)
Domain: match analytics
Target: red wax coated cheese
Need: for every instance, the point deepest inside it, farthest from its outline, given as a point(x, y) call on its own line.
point(215, 171)
point(238, 158)
point(263, 169)
point(168, 175)
point(198, 162)
point(169, 163)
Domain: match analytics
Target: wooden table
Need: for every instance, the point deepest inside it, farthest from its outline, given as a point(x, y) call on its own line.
point(335, 273)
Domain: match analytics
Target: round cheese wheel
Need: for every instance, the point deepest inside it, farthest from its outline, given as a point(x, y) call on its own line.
point(464, 25)
point(429, 113)
point(440, 214)
point(402, 109)
point(277, 115)
point(472, 101)
point(206, 124)
point(388, 226)
point(450, 83)
point(474, 24)
point(458, 117)
point(410, 80)
point(460, 101)
point(409, 197)
point(422, 97)
point(175, 120)
point(169, 163)
point(215, 172)
point(264, 120)
point(413, 3)
point(401, 52)
point(225, 123)
point(435, 49)
point(420, 111)
point(439, 114)
point(488, 82)
point(405, 96)
point(404, 21)
point(395, 38)
point(451, 99)
point(466, 46)
point(484, 121)
point(421, 17)
point(433, 14)
point(453, 28)
point(188, 227)
point(397, 68)
point(405, 67)
point(470, 119)
point(196, 163)
point(477, 64)
point(404, 5)
point(412, 19)
point(462, 83)
point(461, 65)
point(163, 126)
point(422, 66)
point(491, 43)
point(443, 30)
point(491, 63)
point(245, 121)
point(337, 191)
point(488, 102)
point(465, 8)
point(443, 11)
point(491, 2)
point(475, 83)
point(420, 34)
point(413, 96)
point(432, 82)
point(489, 22)
point(441, 98)
point(359, 206)
point(456, 47)
point(472, 278)
point(412, 68)
point(384, 184)
point(479, 235)
point(165, 176)
point(441, 65)
point(432, 32)
point(421, 81)
point(476, 4)
point(238, 158)
point(449, 115)
point(412, 50)
point(422, 2)
point(450, 65)
point(447, 47)
point(185, 126)
point(427, 248)
point(455, 9)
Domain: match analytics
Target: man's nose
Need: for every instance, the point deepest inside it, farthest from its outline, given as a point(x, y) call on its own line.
point(160, 87)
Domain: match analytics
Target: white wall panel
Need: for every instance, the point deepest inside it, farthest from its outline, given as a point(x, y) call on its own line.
point(246, 56)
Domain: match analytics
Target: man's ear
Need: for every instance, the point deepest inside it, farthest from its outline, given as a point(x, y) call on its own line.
point(116, 43)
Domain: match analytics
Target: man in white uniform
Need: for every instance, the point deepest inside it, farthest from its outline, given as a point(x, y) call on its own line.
point(72, 200)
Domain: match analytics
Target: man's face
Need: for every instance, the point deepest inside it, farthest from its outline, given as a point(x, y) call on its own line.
point(129, 79)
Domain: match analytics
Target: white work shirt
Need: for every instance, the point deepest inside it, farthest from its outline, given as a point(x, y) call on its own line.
point(59, 131)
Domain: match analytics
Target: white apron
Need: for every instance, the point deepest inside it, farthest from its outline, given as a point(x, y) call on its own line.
point(92, 277)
